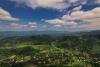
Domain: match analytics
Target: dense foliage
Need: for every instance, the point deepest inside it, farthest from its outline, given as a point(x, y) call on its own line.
point(50, 51)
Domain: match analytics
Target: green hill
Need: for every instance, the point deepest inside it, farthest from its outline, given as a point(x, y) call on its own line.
point(50, 51)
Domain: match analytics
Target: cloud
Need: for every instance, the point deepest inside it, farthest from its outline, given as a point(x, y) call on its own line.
point(20, 25)
point(77, 8)
point(97, 1)
point(79, 20)
point(5, 15)
point(58, 22)
point(57, 26)
point(86, 16)
point(33, 24)
point(73, 1)
point(54, 4)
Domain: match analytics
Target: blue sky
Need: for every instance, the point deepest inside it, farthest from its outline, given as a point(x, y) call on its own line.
point(53, 15)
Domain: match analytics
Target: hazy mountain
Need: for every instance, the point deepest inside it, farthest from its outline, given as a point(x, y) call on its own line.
point(26, 33)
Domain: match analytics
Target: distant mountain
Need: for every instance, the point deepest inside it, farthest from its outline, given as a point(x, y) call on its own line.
point(93, 32)
point(26, 33)
point(55, 33)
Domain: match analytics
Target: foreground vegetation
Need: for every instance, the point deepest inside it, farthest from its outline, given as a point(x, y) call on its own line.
point(50, 51)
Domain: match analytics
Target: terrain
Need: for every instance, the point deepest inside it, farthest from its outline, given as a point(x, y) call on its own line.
point(50, 51)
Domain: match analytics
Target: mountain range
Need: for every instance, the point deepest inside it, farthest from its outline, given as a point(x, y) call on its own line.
point(55, 33)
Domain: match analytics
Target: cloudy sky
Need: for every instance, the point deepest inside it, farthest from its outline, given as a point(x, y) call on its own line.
point(52, 15)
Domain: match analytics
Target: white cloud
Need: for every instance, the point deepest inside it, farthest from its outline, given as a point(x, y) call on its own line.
point(21, 26)
point(55, 4)
point(60, 22)
point(5, 15)
point(18, 25)
point(57, 26)
point(73, 1)
point(84, 20)
point(93, 15)
point(55, 21)
point(33, 26)
point(77, 8)
point(32, 23)
point(98, 1)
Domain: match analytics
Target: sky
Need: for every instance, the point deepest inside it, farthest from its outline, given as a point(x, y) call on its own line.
point(49, 15)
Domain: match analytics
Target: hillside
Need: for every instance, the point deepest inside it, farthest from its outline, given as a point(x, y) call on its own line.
point(50, 51)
